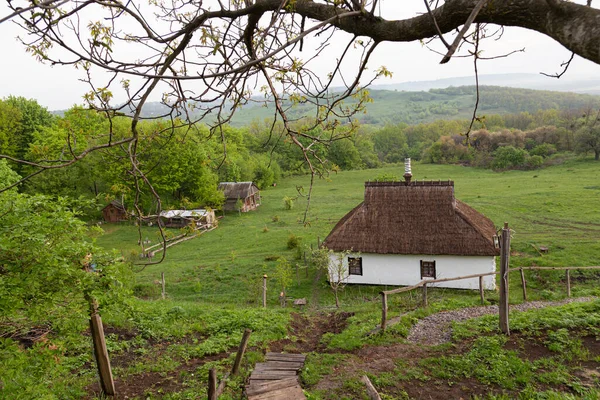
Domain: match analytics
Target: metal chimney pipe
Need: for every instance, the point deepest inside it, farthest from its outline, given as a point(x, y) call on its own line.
point(407, 171)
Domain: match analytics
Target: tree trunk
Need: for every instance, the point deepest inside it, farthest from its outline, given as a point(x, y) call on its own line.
point(596, 155)
point(337, 301)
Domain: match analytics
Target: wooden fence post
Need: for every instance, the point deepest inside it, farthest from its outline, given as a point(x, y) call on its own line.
point(241, 351)
point(481, 293)
point(212, 384)
point(568, 273)
point(424, 295)
point(383, 310)
point(524, 284)
point(371, 391)
point(264, 291)
point(162, 277)
point(504, 263)
point(100, 351)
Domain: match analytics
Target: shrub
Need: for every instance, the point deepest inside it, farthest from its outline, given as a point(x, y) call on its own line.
point(146, 291)
point(293, 241)
point(534, 162)
point(275, 218)
point(509, 157)
point(288, 202)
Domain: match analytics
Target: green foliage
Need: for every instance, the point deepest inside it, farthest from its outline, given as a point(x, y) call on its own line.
point(283, 274)
point(509, 156)
point(42, 276)
point(293, 241)
point(386, 178)
point(288, 202)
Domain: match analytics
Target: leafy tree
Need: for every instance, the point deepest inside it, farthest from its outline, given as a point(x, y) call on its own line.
point(344, 154)
point(587, 138)
point(509, 156)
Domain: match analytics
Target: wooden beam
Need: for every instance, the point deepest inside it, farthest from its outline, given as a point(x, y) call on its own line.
point(102, 361)
point(481, 293)
point(383, 310)
point(264, 299)
point(524, 284)
point(504, 265)
point(568, 276)
point(371, 391)
point(241, 351)
point(425, 295)
point(212, 384)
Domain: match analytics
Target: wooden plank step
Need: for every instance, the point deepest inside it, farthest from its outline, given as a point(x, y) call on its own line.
point(270, 375)
point(285, 357)
point(279, 365)
point(291, 393)
point(257, 387)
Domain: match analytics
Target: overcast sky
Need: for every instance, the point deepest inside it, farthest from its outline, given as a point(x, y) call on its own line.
point(58, 87)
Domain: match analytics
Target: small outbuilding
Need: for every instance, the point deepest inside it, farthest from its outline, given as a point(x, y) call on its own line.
point(247, 193)
point(114, 212)
point(198, 219)
point(406, 232)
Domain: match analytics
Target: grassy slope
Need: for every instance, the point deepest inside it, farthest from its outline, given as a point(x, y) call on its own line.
point(556, 207)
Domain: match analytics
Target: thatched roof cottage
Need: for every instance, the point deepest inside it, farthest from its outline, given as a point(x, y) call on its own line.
point(404, 232)
point(246, 192)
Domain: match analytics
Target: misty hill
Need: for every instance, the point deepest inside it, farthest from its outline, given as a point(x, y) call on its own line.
point(393, 106)
point(589, 85)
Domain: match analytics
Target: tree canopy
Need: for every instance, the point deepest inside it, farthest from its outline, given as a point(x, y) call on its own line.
point(213, 56)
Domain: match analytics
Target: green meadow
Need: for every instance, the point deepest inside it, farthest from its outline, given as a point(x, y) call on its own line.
point(556, 207)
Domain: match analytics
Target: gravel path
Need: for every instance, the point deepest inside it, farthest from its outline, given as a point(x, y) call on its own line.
point(435, 329)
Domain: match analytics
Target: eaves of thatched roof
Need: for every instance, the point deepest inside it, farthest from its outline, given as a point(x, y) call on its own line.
point(414, 218)
point(238, 190)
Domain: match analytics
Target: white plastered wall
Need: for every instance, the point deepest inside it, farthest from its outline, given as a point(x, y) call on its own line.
point(405, 270)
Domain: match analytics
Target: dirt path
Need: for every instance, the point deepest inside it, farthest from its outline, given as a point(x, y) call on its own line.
point(436, 328)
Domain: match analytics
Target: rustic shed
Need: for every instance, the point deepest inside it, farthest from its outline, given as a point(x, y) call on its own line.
point(247, 192)
point(114, 212)
point(198, 219)
point(404, 232)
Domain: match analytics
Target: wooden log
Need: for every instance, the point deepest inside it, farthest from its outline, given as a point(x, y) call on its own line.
point(524, 284)
point(240, 352)
point(425, 295)
point(162, 278)
point(212, 384)
point(568, 276)
point(371, 391)
point(383, 310)
point(102, 361)
point(264, 291)
point(504, 263)
point(222, 385)
point(481, 292)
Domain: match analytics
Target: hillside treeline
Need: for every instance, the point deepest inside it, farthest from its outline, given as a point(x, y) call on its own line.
point(186, 163)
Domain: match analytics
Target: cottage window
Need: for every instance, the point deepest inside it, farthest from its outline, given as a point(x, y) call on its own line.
point(355, 265)
point(428, 269)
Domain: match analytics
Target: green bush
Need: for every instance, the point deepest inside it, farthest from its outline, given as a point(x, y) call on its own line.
point(293, 241)
point(146, 291)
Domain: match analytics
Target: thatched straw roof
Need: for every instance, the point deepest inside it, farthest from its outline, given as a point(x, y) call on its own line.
point(415, 218)
point(238, 190)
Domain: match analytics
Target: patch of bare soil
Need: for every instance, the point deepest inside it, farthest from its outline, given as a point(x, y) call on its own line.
point(147, 383)
point(306, 331)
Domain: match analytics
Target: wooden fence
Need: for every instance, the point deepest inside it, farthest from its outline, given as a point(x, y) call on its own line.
point(425, 283)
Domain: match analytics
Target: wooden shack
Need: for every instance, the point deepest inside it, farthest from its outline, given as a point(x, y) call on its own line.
point(198, 219)
point(114, 212)
point(247, 192)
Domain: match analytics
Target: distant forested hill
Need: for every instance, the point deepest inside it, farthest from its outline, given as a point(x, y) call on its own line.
point(393, 107)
